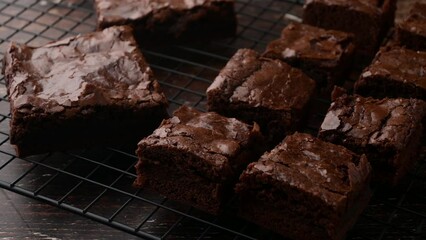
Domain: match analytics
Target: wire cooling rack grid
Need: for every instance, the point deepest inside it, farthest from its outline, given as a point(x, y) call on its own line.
point(96, 183)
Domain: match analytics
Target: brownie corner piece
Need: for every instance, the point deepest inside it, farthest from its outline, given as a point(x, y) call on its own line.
point(411, 32)
point(305, 188)
point(155, 20)
point(324, 55)
point(368, 20)
point(81, 91)
point(395, 72)
point(389, 131)
point(263, 90)
point(195, 157)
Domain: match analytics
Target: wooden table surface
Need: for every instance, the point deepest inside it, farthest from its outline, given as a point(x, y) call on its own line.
point(25, 218)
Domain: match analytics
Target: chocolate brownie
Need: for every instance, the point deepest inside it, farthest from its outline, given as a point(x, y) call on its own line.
point(395, 72)
point(197, 157)
point(159, 20)
point(412, 31)
point(324, 55)
point(305, 188)
point(86, 90)
point(368, 20)
point(388, 131)
point(267, 91)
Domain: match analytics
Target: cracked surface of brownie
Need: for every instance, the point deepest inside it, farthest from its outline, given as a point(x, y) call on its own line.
point(395, 72)
point(305, 188)
point(324, 55)
point(267, 91)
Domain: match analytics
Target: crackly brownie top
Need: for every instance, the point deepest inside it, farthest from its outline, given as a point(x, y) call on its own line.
point(262, 82)
point(324, 170)
point(301, 41)
point(101, 68)
point(416, 20)
point(214, 139)
point(367, 6)
point(371, 122)
point(399, 64)
point(123, 10)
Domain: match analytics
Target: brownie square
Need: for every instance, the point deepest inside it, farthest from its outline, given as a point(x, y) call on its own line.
point(388, 131)
point(267, 91)
point(162, 20)
point(368, 20)
point(411, 33)
point(305, 188)
point(197, 157)
point(324, 55)
point(81, 91)
point(395, 72)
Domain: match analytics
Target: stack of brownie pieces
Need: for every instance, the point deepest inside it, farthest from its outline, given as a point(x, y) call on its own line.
point(95, 87)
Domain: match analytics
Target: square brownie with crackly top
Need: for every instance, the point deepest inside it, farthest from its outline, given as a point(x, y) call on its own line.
point(81, 91)
point(395, 72)
point(305, 189)
point(411, 33)
point(196, 157)
point(263, 90)
point(324, 55)
point(368, 20)
point(389, 131)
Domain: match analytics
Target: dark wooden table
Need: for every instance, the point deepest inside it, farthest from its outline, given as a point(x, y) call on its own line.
point(25, 218)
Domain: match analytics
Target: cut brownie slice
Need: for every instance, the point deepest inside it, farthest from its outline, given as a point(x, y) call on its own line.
point(388, 131)
point(369, 20)
point(395, 72)
point(196, 157)
point(85, 90)
point(305, 189)
point(269, 92)
point(155, 20)
point(412, 32)
point(322, 54)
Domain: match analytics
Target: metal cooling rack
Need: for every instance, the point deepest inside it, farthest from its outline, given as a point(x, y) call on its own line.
point(96, 183)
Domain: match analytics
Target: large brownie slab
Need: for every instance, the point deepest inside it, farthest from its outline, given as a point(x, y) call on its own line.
point(81, 91)
point(267, 91)
point(388, 131)
point(196, 157)
point(305, 189)
point(161, 20)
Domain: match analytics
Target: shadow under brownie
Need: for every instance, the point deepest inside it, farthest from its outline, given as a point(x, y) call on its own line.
point(87, 90)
